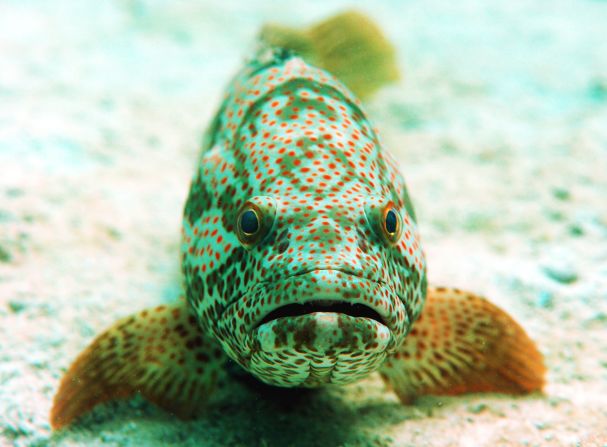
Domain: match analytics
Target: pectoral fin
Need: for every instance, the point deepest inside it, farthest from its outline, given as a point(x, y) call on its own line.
point(463, 344)
point(160, 353)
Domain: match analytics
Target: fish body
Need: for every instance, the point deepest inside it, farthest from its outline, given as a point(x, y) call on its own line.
point(301, 256)
point(293, 144)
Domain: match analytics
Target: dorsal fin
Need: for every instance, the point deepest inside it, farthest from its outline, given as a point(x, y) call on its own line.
point(349, 45)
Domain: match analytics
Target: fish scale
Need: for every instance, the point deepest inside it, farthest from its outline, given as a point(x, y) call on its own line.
point(301, 256)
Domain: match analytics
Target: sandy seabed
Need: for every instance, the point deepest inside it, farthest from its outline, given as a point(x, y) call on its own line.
point(500, 125)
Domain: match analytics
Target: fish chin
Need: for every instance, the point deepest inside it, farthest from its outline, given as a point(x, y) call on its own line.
point(312, 328)
point(318, 348)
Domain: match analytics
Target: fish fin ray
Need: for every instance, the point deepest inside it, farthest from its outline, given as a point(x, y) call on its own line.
point(159, 352)
point(463, 344)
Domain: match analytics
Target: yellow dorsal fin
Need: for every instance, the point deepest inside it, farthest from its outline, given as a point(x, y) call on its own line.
point(349, 45)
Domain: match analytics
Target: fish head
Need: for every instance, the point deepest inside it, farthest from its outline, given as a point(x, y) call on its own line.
point(316, 290)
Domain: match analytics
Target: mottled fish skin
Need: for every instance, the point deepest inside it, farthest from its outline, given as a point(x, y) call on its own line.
point(292, 143)
point(301, 256)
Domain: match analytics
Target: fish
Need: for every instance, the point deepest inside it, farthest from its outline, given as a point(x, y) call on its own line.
point(301, 256)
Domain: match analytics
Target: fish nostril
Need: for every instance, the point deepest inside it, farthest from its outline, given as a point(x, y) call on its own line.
point(282, 247)
point(282, 242)
point(362, 242)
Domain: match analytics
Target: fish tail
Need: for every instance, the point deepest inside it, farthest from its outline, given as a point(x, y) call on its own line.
point(349, 45)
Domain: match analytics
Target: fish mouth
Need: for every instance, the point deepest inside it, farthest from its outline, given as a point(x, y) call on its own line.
point(326, 291)
point(355, 310)
point(331, 300)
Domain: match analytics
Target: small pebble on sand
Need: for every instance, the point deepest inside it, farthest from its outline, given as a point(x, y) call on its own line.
point(560, 271)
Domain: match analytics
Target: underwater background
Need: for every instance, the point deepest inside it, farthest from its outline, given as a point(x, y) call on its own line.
point(499, 125)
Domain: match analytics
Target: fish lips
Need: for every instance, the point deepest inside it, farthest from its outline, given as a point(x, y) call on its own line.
point(317, 349)
point(330, 333)
point(320, 309)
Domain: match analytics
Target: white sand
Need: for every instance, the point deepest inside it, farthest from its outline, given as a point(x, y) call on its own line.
point(501, 128)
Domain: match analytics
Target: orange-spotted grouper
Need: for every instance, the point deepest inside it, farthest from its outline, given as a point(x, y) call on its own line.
point(301, 256)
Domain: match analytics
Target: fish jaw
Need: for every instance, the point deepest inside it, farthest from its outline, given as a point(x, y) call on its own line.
point(345, 320)
point(323, 333)
point(317, 349)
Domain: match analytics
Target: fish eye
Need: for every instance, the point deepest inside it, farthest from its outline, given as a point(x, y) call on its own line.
point(249, 222)
point(254, 220)
point(385, 218)
point(391, 224)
